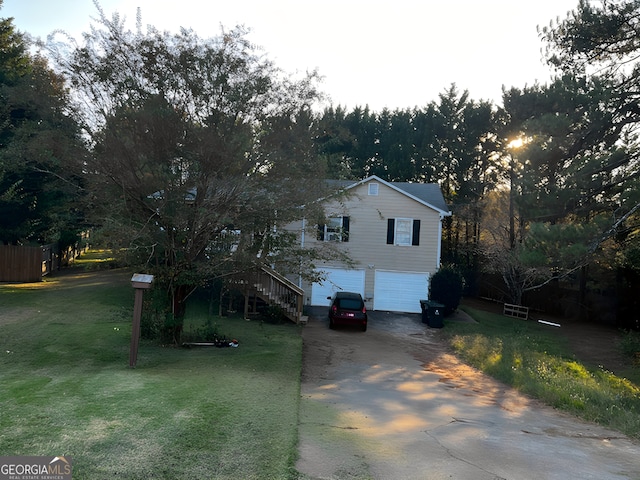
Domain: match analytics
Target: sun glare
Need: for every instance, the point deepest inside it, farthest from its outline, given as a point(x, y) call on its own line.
point(517, 143)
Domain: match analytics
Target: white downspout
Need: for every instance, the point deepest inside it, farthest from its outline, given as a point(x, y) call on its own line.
point(304, 225)
point(439, 254)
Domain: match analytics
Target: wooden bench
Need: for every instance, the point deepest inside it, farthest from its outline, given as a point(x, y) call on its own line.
point(516, 311)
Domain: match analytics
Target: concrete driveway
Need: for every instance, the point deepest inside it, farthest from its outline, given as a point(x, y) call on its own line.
point(391, 403)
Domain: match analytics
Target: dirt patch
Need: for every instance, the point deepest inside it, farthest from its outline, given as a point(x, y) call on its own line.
point(596, 345)
point(593, 344)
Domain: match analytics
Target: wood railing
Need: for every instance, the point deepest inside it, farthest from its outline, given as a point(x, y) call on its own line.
point(515, 311)
point(275, 289)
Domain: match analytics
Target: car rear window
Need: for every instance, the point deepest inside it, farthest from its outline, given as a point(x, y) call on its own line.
point(350, 304)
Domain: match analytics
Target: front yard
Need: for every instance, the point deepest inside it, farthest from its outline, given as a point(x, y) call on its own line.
point(205, 412)
point(66, 388)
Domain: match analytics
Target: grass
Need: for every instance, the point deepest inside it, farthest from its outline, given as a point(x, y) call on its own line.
point(66, 388)
point(538, 363)
point(96, 260)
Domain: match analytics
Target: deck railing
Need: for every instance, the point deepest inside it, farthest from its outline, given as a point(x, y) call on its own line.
point(275, 289)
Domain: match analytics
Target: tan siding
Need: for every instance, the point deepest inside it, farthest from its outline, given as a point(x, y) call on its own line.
point(367, 244)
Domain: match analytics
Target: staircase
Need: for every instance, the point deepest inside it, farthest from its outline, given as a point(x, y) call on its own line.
point(274, 289)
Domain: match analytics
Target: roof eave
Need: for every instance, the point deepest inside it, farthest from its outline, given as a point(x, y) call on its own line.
point(442, 213)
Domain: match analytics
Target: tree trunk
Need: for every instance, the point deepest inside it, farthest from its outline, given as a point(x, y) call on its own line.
point(583, 311)
point(178, 310)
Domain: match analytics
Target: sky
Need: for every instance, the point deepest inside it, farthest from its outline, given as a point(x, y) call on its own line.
point(395, 53)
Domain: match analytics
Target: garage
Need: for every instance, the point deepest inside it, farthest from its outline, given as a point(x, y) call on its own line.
point(338, 279)
point(400, 291)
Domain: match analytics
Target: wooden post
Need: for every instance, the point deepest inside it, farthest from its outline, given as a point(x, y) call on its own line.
point(246, 303)
point(141, 283)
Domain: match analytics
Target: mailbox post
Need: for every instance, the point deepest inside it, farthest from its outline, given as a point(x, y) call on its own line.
point(140, 282)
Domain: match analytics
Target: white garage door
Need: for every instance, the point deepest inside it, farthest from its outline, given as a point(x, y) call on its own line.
point(400, 291)
point(338, 279)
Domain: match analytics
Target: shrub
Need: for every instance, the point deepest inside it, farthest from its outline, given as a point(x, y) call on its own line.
point(273, 314)
point(446, 287)
point(630, 345)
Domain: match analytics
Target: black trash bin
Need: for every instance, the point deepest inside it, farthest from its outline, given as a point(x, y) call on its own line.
point(424, 306)
point(432, 313)
point(436, 315)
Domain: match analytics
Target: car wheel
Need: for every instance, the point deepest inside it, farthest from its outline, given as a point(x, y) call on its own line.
point(331, 324)
point(364, 327)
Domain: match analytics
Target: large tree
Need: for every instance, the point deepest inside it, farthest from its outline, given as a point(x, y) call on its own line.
point(599, 45)
point(201, 150)
point(573, 183)
point(463, 153)
point(40, 149)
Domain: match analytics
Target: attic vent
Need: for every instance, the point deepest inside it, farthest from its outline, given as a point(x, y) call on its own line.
point(373, 189)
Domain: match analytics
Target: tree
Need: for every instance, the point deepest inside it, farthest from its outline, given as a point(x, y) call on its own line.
point(451, 142)
point(201, 150)
point(464, 145)
point(563, 176)
point(575, 180)
point(600, 45)
point(499, 255)
point(348, 141)
point(40, 149)
point(573, 184)
point(601, 38)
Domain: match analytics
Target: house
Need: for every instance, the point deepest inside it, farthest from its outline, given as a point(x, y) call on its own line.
point(392, 231)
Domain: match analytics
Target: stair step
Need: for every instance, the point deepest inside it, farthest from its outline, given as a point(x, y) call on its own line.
point(285, 298)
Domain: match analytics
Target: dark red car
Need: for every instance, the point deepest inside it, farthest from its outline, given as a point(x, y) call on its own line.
point(347, 308)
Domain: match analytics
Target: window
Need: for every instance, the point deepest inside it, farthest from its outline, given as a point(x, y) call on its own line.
point(373, 189)
point(350, 303)
point(336, 230)
point(403, 231)
point(333, 230)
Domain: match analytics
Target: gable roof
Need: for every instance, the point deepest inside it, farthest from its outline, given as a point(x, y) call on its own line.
point(428, 194)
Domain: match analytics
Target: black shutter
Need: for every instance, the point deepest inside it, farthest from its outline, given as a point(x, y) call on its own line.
point(321, 232)
point(391, 230)
point(345, 229)
point(416, 233)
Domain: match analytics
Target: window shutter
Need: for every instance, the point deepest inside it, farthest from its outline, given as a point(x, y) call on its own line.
point(345, 229)
point(391, 230)
point(416, 233)
point(321, 232)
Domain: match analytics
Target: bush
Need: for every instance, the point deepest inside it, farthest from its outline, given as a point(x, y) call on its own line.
point(630, 345)
point(273, 314)
point(446, 288)
point(207, 332)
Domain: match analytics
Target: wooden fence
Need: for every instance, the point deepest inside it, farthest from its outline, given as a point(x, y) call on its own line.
point(516, 311)
point(22, 264)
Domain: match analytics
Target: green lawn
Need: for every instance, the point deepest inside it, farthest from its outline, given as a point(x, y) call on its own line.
point(66, 388)
point(532, 359)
